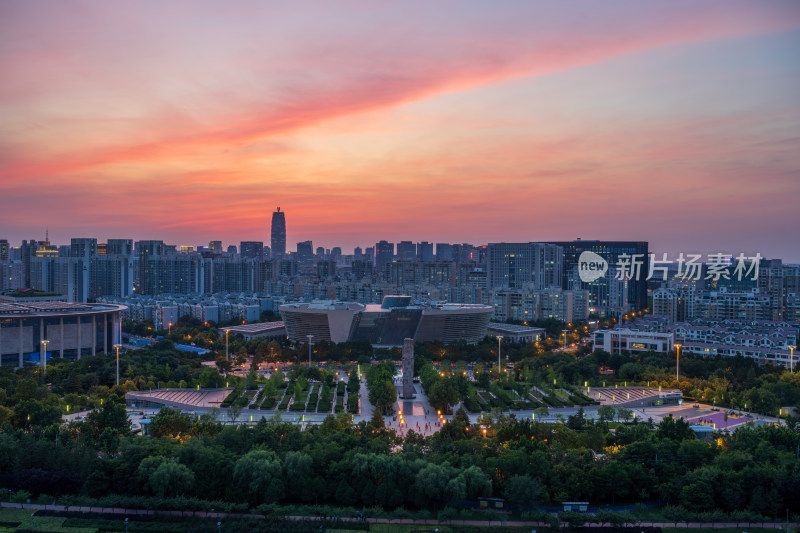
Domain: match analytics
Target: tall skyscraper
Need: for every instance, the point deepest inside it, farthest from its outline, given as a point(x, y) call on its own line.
point(305, 251)
point(632, 292)
point(4, 247)
point(406, 250)
point(444, 251)
point(516, 265)
point(278, 233)
point(83, 248)
point(425, 251)
point(384, 253)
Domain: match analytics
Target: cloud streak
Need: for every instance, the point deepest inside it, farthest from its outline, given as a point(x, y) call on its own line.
point(192, 119)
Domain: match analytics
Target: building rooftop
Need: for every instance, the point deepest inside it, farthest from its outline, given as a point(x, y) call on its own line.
point(513, 328)
point(49, 307)
point(261, 327)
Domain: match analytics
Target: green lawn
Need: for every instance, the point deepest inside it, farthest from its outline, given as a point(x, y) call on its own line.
point(45, 523)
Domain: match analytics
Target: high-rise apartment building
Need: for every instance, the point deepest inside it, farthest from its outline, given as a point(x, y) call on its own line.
point(406, 251)
point(384, 253)
point(514, 265)
point(83, 248)
point(602, 291)
point(444, 251)
point(425, 251)
point(251, 249)
point(120, 247)
point(278, 234)
point(4, 250)
point(305, 251)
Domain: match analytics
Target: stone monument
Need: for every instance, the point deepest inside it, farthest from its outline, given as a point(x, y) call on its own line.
point(408, 370)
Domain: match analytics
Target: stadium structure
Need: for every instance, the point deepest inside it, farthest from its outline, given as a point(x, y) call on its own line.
point(386, 324)
point(56, 328)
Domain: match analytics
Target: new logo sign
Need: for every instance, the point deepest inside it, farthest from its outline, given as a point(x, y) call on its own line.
point(591, 266)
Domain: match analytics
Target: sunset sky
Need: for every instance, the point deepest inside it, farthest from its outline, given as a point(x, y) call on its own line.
point(675, 122)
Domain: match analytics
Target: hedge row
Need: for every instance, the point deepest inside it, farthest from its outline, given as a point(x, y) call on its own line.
point(233, 396)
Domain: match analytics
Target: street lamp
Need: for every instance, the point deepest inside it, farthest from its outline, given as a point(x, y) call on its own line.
point(309, 349)
point(117, 346)
point(791, 358)
point(226, 343)
point(678, 363)
point(499, 365)
point(169, 331)
point(44, 355)
point(565, 331)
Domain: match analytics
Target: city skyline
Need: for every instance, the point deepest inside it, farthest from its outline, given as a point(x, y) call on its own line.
point(453, 122)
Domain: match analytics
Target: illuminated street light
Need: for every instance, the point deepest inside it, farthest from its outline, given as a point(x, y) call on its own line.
point(44, 356)
point(117, 346)
point(499, 366)
point(678, 363)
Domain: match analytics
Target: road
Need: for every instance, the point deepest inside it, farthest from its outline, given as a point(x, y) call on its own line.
point(201, 514)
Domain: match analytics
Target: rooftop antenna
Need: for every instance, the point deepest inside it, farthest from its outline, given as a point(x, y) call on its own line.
point(279, 209)
point(46, 234)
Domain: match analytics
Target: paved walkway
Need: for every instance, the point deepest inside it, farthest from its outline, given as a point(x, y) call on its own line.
point(202, 514)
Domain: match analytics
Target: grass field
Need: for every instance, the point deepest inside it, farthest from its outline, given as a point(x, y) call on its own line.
point(44, 523)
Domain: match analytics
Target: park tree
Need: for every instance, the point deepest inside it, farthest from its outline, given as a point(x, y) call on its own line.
point(111, 416)
point(250, 382)
point(672, 429)
point(383, 395)
point(625, 414)
point(170, 423)
point(606, 413)
point(223, 364)
point(443, 394)
point(521, 490)
point(209, 378)
point(258, 477)
point(171, 479)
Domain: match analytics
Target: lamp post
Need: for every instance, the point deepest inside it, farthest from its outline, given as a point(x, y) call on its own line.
point(791, 358)
point(169, 331)
point(44, 355)
point(678, 363)
point(499, 365)
point(565, 331)
point(226, 343)
point(309, 349)
point(117, 346)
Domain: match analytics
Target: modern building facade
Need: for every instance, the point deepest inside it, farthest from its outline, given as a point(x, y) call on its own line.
point(385, 324)
point(278, 233)
point(71, 330)
point(608, 295)
point(514, 265)
point(768, 342)
point(384, 254)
